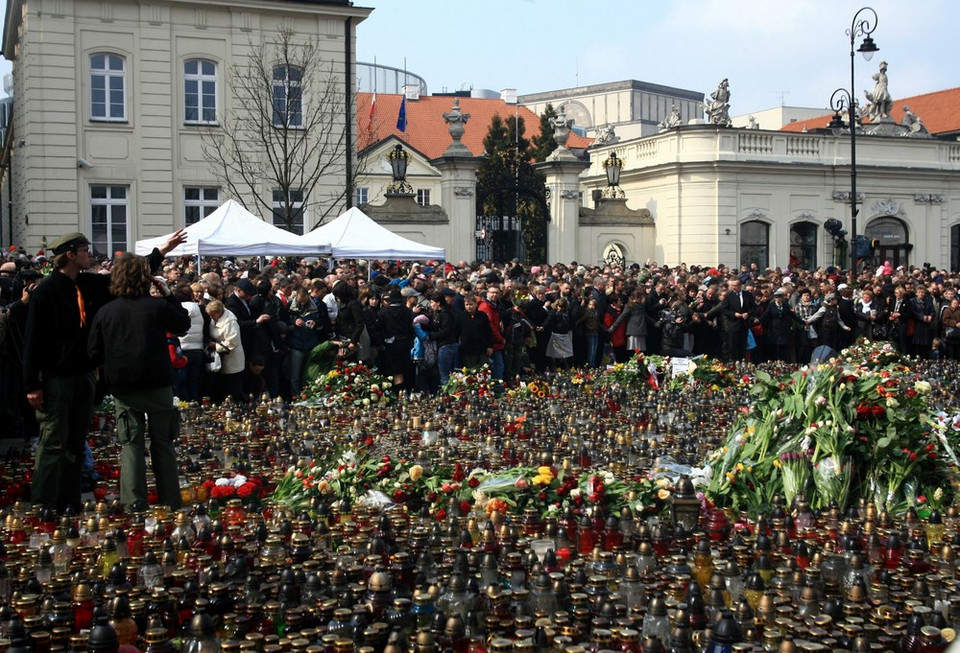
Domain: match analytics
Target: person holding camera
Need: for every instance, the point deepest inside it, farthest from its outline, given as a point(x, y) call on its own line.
point(129, 337)
point(58, 373)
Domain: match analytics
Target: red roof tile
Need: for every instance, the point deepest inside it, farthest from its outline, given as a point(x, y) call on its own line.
point(939, 111)
point(427, 130)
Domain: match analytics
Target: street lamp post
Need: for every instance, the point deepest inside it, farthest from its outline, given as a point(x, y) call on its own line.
point(863, 24)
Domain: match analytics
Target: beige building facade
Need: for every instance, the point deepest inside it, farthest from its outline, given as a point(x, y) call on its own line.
point(111, 98)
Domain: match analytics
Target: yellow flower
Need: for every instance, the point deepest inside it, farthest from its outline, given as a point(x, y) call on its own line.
point(663, 494)
point(415, 473)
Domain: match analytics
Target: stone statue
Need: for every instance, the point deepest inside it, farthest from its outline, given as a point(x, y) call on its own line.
point(913, 123)
point(718, 108)
point(880, 103)
point(606, 135)
point(671, 121)
point(561, 127)
point(752, 123)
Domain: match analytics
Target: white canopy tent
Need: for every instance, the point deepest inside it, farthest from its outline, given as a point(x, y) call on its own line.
point(232, 230)
point(355, 235)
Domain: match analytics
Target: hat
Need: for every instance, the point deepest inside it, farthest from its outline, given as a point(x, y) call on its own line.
point(421, 319)
point(448, 292)
point(409, 291)
point(779, 292)
point(67, 242)
point(394, 295)
point(829, 297)
point(535, 270)
point(787, 281)
point(842, 286)
point(246, 286)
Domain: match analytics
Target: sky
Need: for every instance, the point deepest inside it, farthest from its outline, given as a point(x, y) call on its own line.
point(792, 52)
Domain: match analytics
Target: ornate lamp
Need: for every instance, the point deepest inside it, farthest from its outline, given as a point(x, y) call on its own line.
point(612, 167)
point(399, 160)
point(685, 506)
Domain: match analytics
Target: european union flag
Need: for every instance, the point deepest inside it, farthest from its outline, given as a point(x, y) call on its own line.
point(402, 117)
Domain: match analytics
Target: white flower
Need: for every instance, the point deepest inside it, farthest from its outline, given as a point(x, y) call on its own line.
point(575, 492)
point(821, 401)
point(238, 480)
point(892, 403)
point(222, 482)
point(922, 387)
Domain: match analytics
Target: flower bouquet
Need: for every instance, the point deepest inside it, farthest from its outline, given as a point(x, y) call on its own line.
point(348, 384)
point(476, 382)
point(859, 426)
point(641, 371)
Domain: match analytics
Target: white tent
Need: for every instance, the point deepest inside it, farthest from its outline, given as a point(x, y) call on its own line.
point(232, 230)
point(355, 235)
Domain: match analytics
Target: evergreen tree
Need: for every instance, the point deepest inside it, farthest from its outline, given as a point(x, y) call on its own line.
point(544, 143)
point(508, 186)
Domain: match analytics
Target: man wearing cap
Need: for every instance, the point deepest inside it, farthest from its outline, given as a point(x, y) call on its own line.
point(58, 374)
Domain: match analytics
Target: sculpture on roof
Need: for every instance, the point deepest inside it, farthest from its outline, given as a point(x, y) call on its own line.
point(606, 135)
point(880, 103)
point(718, 108)
point(671, 121)
point(561, 127)
point(912, 122)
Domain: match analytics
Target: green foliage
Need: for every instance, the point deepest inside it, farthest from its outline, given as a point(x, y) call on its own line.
point(544, 143)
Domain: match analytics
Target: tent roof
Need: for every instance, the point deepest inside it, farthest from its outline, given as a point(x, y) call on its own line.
point(232, 230)
point(356, 235)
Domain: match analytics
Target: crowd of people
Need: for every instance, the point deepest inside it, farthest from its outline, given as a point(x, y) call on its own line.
point(248, 328)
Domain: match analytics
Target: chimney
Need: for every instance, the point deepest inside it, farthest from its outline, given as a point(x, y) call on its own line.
point(411, 91)
point(509, 95)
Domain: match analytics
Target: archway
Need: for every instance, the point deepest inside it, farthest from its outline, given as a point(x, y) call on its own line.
point(755, 243)
point(891, 237)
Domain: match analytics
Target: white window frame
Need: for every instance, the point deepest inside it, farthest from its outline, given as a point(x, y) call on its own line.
point(277, 210)
point(107, 75)
point(197, 80)
point(110, 203)
point(363, 195)
point(204, 203)
point(423, 196)
point(291, 90)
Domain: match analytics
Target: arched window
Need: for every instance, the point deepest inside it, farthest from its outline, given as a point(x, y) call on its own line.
point(613, 254)
point(108, 87)
point(803, 245)
point(755, 243)
point(287, 97)
point(199, 92)
point(891, 237)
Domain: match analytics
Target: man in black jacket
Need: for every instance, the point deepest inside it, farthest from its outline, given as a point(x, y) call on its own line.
point(476, 336)
point(57, 373)
point(129, 336)
point(738, 307)
point(446, 333)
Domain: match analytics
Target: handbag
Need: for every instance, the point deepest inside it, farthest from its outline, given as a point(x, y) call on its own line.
point(952, 333)
point(214, 362)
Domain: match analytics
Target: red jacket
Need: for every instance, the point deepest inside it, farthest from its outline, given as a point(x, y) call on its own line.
point(493, 315)
point(619, 336)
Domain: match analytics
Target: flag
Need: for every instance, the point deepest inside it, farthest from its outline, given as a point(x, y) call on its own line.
point(402, 117)
point(373, 111)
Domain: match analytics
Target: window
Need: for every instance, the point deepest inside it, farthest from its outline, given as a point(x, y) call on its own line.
point(755, 243)
point(199, 92)
point(108, 218)
point(294, 221)
point(287, 97)
point(199, 202)
point(803, 245)
point(955, 247)
point(363, 196)
point(108, 88)
point(423, 196)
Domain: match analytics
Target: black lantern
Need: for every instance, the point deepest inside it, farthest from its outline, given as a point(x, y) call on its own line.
point(398, 163)
point(612, 166)
point(685, 506)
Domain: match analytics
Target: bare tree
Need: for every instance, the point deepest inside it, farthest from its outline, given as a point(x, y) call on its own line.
point(287, 128)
